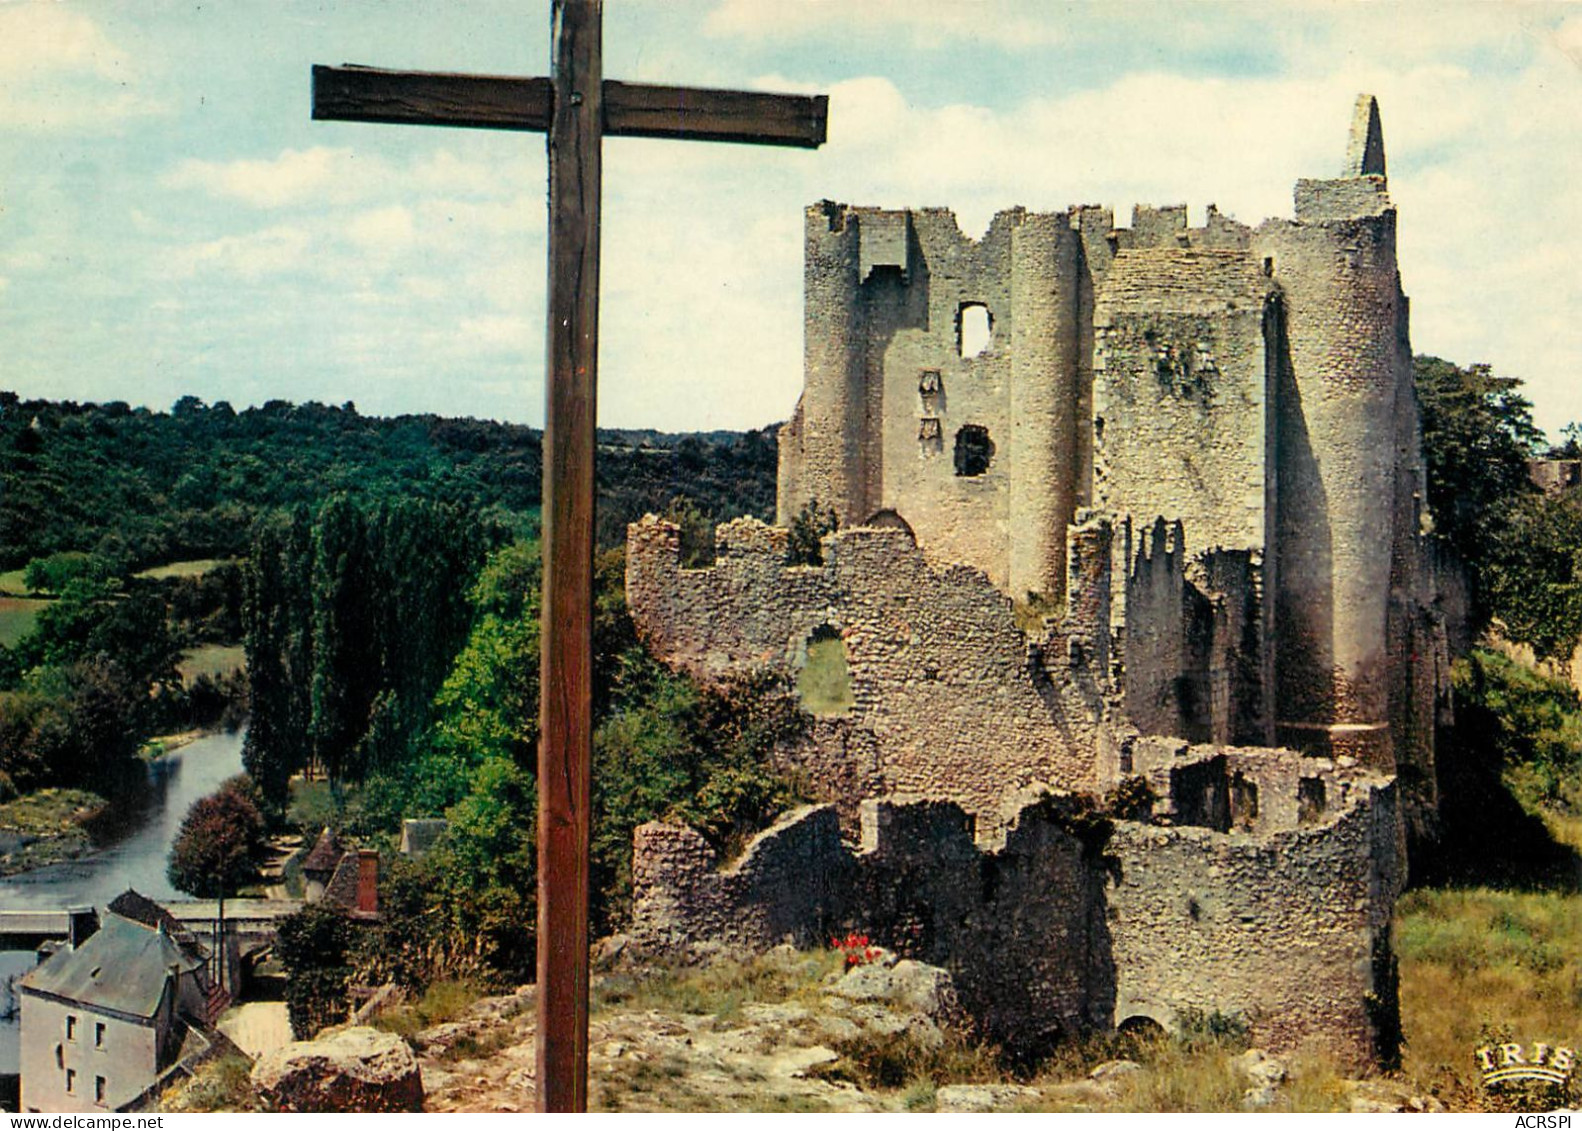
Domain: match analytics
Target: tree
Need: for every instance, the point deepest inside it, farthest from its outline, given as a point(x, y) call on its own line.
point(1478, 434)
point(313, 945)
point(1532, 574)
point(804, 544)
point(218, 848)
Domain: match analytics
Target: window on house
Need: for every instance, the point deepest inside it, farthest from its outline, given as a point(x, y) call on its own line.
point(71, 1027)
point(71, 1079)
point(98, 1034)
point(98, 1089)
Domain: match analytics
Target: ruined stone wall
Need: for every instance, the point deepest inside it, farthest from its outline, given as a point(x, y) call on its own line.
point(942, 677)
point(1063, 925)
point(1180, 394)
point(1166, 227)
point(984, 451)
point(821, 447)
point(1156, 632)
point(1239, 661)
point(957, 517)
point(792, 884)
point(1020, 926)
point(1289, 930)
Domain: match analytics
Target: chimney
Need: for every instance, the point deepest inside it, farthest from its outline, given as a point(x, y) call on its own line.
point(81, 923)
point(368, 881)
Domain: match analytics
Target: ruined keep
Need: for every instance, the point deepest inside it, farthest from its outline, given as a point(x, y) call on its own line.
point(1192, 456)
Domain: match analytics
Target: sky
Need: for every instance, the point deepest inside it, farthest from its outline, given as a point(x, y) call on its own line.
point(173, 223)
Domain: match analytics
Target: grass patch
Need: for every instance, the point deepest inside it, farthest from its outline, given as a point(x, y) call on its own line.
point(46, 827)
point(722, 987)
point(314, 806)
point(212, 660)
point(219, 1085)
point(915, 1062)
point(197, 567)
point(11, 581)
point(18, 615)
point(47, 811)
point(440, 1003)
point(824, 683)
point(1478, 964)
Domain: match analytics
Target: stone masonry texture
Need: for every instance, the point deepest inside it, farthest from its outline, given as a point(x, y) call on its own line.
point(1144, 642)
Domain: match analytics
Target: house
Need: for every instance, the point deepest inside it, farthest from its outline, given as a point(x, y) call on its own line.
point(345, 877)
point(418, 835)
point(107, 1019)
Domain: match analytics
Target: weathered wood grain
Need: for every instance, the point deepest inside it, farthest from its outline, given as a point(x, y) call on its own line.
point(565, 747)
point(424, 98)
point(501, 102)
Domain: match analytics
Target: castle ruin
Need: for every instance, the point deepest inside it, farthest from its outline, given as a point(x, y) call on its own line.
point(1191, 457)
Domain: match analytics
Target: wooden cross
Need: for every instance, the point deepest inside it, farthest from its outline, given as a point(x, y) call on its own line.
point(576, 107)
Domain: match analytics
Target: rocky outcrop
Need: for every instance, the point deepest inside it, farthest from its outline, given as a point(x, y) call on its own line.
point(355, 1070)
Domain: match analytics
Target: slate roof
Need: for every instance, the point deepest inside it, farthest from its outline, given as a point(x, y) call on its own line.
point(123, 967)
point(418, 834)
point(342, 886)
point(134, 905)
point(325, 856)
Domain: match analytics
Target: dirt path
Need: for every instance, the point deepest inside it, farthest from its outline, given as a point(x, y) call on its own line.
point(258, 1026)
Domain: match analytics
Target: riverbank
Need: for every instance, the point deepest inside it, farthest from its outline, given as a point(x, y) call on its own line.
point(164, 744)
point(47, 827)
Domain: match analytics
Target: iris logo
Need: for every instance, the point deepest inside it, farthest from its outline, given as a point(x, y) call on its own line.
point(1503, 1063)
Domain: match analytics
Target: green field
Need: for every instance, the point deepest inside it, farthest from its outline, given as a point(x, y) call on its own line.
point(212, 660)
point(17, 616)
point(197, 567)
point(11, 582)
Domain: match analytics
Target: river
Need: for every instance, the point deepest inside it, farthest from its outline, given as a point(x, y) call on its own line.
point(132, 856)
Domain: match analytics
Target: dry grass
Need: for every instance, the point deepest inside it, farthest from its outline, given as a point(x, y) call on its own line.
point(1478, 965)
point(441, 1002)
point(219, 1085)
point(719, 988)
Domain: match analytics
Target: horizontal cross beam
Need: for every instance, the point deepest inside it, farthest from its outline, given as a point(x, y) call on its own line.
point(501, 102)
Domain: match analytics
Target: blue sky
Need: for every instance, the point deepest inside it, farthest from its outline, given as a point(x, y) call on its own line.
point(172, 222)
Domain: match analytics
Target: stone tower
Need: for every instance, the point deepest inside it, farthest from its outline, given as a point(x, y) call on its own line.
point(1252, 387)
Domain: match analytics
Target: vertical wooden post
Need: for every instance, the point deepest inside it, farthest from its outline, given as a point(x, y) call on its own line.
point(566, 731)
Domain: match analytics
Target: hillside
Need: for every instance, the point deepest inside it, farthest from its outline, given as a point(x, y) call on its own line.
point(147, 488)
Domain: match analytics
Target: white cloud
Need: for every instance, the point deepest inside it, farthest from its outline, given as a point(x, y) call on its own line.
point(383, 231)
point(319, 176)
point(1568, 38)
point(492, 332)
point(38, 38)
point(272, 251)
point(927, 24)
point(58, 71)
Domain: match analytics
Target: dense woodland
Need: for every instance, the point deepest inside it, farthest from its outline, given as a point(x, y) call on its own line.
point(383, 575)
